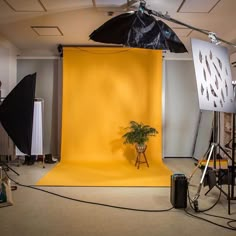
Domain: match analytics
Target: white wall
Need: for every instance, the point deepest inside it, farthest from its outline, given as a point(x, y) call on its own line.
point(4, 71)
point(181, 109)
point(8, 54)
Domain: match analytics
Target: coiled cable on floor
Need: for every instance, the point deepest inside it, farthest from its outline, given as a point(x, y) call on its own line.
point(195, 206)
point(196, 209)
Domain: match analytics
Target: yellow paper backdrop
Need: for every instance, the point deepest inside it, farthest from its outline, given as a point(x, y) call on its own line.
point(103, 89)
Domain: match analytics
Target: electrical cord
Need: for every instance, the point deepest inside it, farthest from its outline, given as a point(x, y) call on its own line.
point(194, 204)
point(225, 218)
point(211, 222)
point(230, 220)
point(195, 207)
point(217, 201)
point(88, 202)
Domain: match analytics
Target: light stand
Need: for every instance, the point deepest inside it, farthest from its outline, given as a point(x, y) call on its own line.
point(231, 191)
point(16, 114)
point(195, 199)
point(213, 152)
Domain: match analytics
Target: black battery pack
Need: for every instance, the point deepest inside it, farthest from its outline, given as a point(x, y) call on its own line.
point(178, 191)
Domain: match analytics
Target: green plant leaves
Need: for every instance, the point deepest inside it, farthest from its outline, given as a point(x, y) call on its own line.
point(138, 133)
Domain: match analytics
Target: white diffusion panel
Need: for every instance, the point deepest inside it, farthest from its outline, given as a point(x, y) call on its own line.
point(37, 132)
point(213, 75)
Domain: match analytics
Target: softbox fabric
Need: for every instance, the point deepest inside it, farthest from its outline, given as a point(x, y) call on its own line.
point(115, 30)
point(16, 113)
point(139, 30)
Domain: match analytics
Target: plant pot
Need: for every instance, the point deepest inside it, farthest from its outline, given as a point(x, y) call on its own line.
point(141, 148)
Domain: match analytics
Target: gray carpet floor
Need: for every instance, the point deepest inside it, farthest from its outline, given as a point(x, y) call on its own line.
point(37, 213)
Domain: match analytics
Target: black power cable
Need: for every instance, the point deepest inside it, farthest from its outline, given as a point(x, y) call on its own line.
point(194, 204)
point(195, 207)
point(211, 222)
point(88, 202)
point(230, 220)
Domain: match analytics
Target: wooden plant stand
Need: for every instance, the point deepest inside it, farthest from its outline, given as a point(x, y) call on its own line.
point(141, 152)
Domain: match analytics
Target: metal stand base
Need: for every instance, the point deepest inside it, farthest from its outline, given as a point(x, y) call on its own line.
point(4, 164)
point(228, 195)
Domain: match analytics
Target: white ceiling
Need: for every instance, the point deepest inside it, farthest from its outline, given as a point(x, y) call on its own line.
point(37, 27)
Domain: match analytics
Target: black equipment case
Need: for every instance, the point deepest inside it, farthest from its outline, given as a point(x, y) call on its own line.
point(178, 191)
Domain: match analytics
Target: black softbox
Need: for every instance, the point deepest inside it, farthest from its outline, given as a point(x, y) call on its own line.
point(16, 113)
point(139, 30)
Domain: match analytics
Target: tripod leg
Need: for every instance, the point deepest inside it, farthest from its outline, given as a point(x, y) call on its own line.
point(204, 173)
point(8, 167)
point(207, 192)
point(198, 165)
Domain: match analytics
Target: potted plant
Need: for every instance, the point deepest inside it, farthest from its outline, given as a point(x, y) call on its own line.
point(138, 134)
